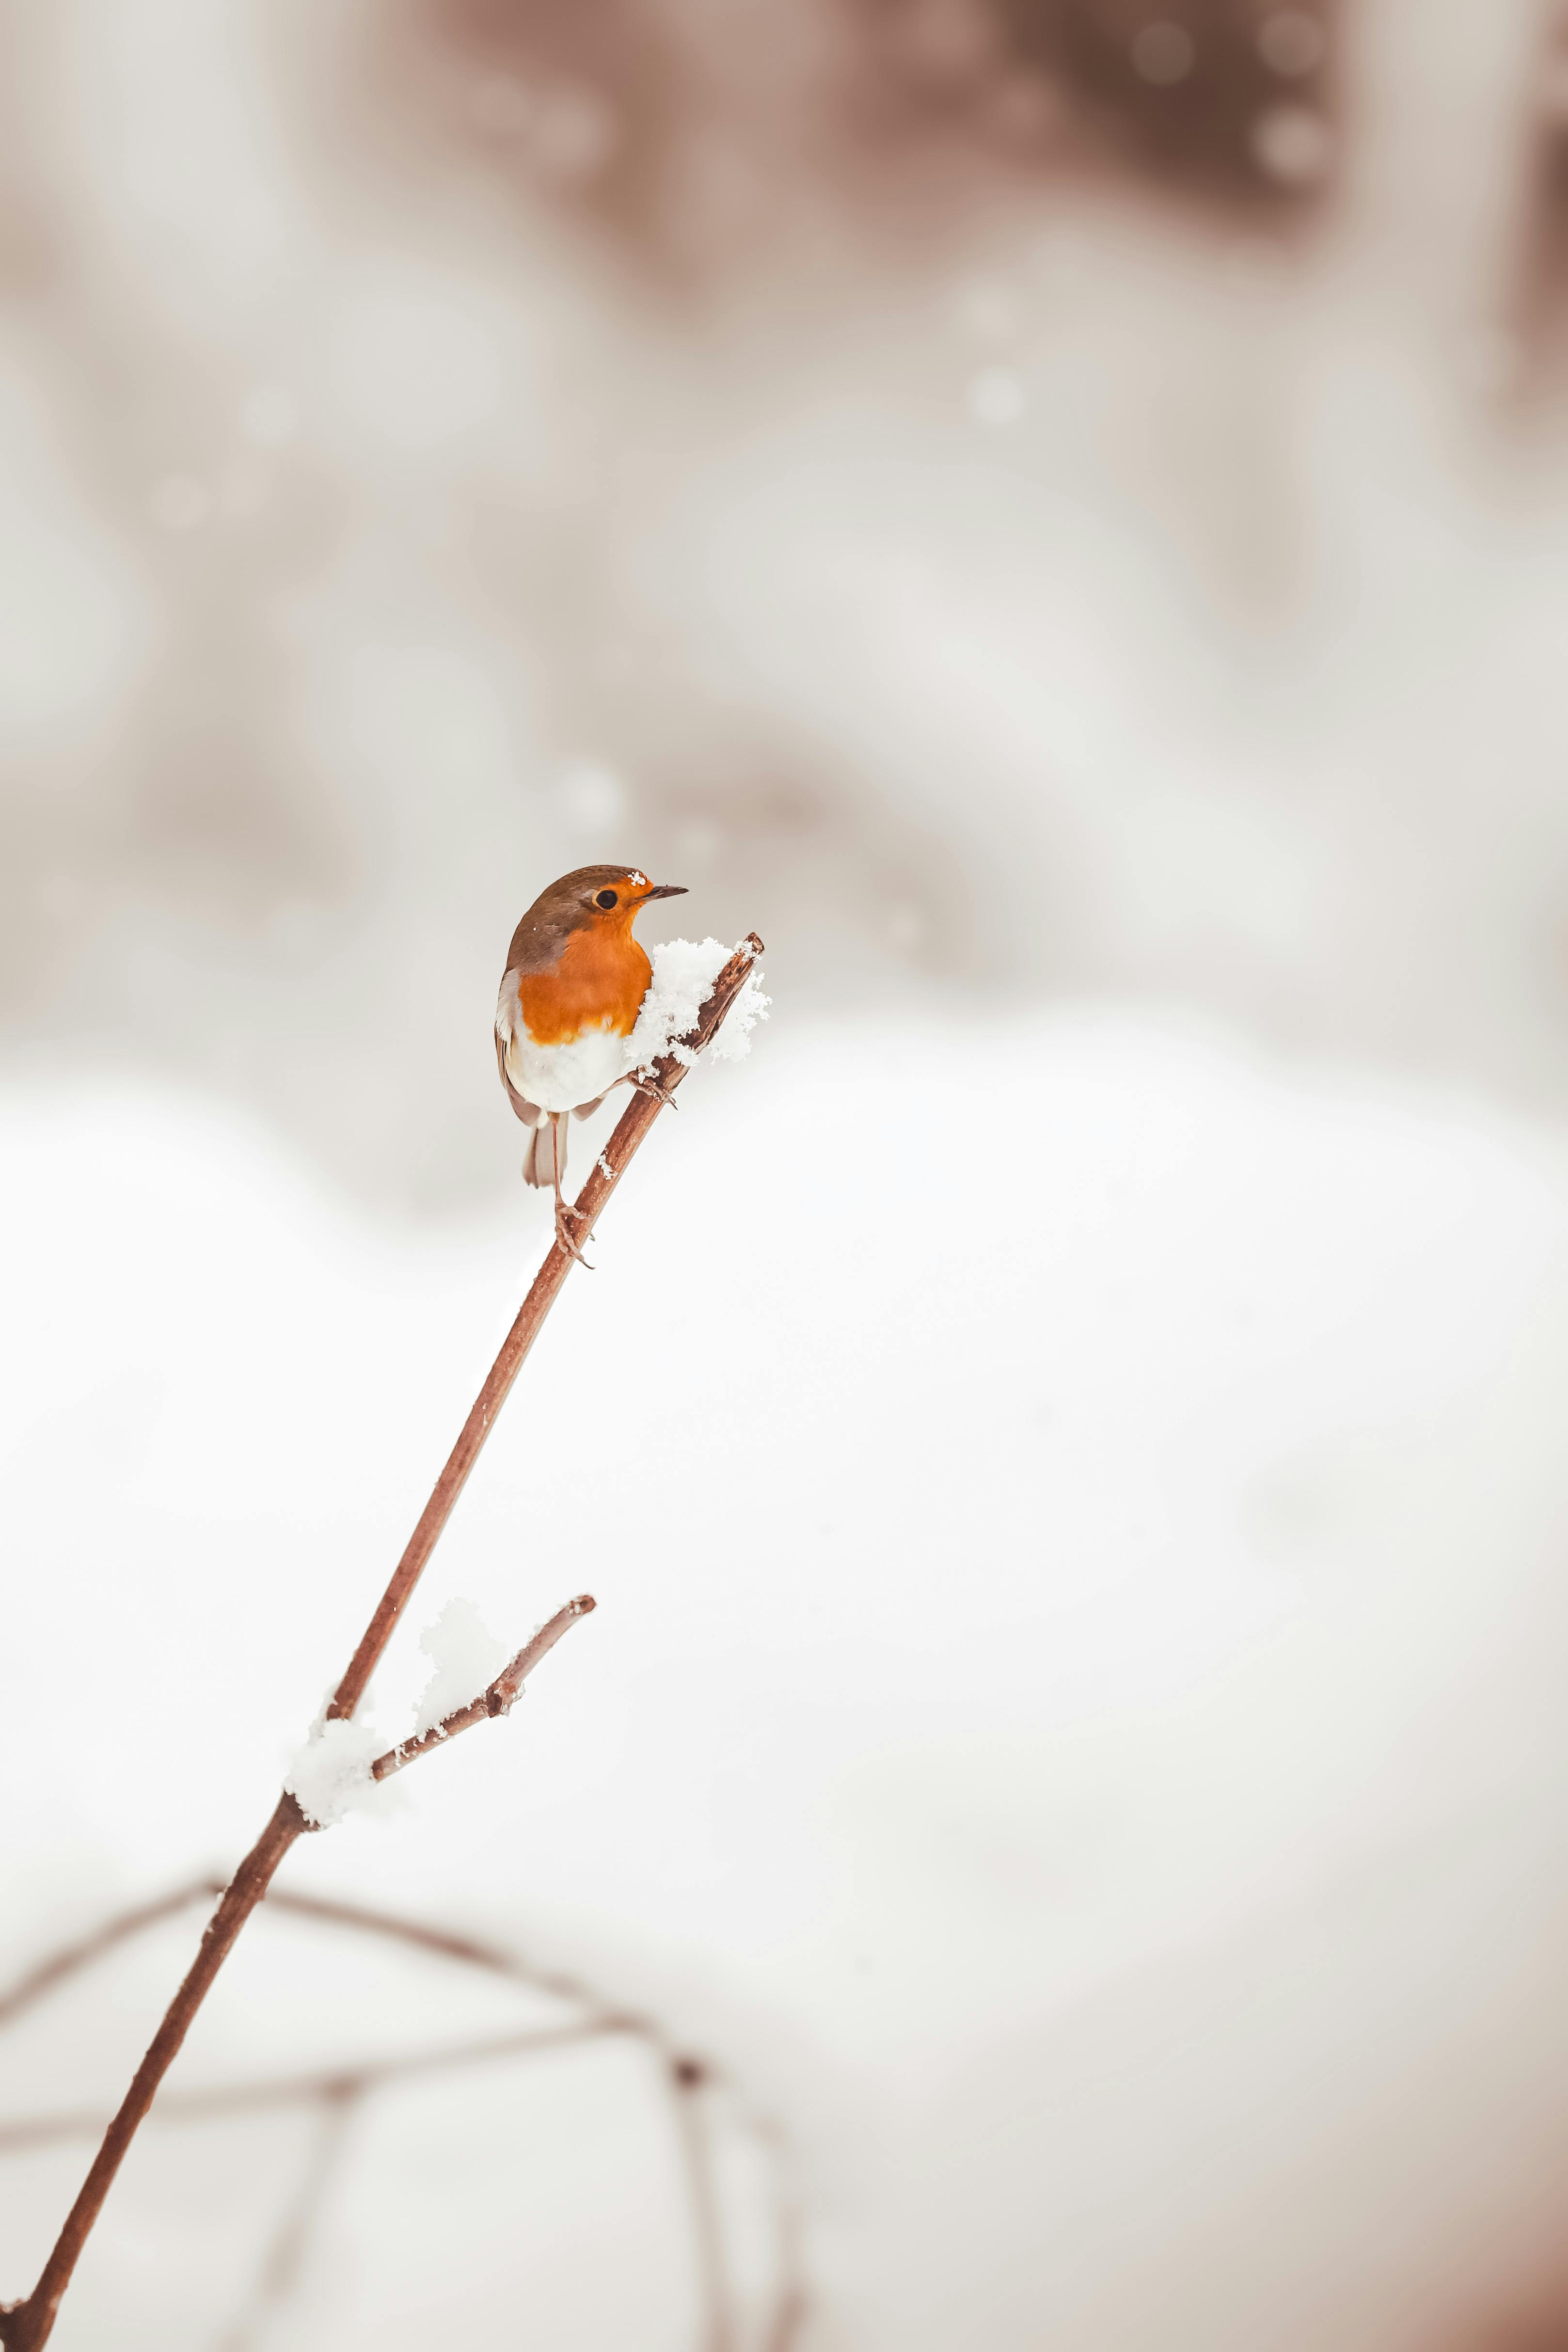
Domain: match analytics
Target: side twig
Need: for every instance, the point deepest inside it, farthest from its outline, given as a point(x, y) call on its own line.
point(498, 1699)
point(24, 2326)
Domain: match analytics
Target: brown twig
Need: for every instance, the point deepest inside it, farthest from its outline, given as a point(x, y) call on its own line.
point(498, 1699)
point(28, 2324)
point(602, 1180)
point(24, 2326)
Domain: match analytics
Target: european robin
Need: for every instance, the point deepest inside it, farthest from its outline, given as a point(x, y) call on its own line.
point(574, 985)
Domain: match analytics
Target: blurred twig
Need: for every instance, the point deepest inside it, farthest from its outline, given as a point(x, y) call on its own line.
point(790, 2299)
point(321, 2082)
point(685, 2076)
point(285, 2262)
point(72, 1956)
point(24, 2326)
point(688, 2077)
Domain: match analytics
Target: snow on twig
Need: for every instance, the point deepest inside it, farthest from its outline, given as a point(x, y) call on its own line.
point(498, 1697)
point(684, 973)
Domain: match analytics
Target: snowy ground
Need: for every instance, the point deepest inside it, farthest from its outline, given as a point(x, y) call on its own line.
point(1073, 1720)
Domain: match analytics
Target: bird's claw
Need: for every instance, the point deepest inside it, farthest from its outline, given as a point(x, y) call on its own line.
point(656, 1089)
point(566, 1216)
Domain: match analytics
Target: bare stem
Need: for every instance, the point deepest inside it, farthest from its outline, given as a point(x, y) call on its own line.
point(602, 1180)
point(24, 2326)
point(30, 2324)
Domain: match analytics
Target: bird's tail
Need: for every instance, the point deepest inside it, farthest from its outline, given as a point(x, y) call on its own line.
point(539, 1154)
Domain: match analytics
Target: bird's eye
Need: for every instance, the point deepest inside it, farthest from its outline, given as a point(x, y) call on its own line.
point(605, 898)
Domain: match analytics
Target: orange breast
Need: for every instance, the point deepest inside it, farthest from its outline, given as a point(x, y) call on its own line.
point(599, 983)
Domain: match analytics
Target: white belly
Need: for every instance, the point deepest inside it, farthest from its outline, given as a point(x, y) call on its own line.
point(559, 1077)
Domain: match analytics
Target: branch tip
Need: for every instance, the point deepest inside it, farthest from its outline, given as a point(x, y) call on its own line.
point(497, 1698)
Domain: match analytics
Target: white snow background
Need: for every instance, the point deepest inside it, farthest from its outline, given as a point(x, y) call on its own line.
point(1073, 1722)
point(1073, 1718)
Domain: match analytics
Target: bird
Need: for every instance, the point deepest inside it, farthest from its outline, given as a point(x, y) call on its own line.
point(573, 984)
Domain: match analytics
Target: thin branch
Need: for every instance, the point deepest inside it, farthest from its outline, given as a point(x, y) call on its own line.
point(441, 1940)
point(24, 2326)
point(499, 1698)
point(791, 2299)
point(321, 2082)
point(557, 1981)
point(28, 2324)
point(602, 1180)
point(285, 2256)
point(687, 2081)
point(63, 1964)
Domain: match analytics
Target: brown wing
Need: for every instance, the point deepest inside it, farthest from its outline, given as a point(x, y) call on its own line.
point(530, 1113)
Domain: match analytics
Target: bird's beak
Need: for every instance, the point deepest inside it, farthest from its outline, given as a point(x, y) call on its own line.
point(665, 890)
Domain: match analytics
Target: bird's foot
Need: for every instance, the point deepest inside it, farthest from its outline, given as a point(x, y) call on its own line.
point(654, 1089)
point(566, 1216)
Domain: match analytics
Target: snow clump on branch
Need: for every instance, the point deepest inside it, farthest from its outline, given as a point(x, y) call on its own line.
point(464, 1659)
point(331, 1775)
point(684, 971)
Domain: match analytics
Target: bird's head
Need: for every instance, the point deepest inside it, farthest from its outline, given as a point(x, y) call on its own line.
point(608, 897)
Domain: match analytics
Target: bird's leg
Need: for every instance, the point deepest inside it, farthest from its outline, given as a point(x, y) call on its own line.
point(565, 1214)
point(643, 1082)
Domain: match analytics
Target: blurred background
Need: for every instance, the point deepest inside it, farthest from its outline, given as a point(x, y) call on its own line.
point(1053, 512)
